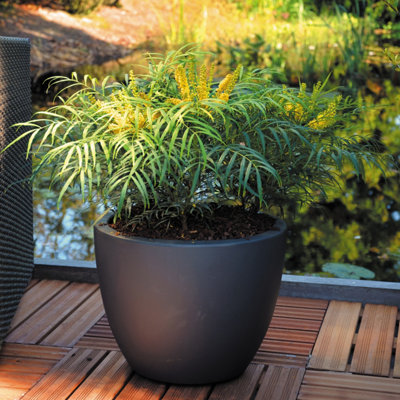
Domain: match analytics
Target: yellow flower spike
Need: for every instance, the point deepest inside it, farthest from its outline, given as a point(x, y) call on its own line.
point(227, 85)
point(234, 79)
point(142, 120)
point(178, 75)
point(144, 96)
point(316, 88)
point(288, 108)
point(298, 113)
point(224, 96)
point(181, 80)
point(202, 86)
point(119, 121)
point(174, 101)
point(121, 97)
point(115, 129)
point(325, 118)
point(132, 84)
point(223, 85)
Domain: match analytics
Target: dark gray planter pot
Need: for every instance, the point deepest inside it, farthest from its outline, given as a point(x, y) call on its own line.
point(189, 313)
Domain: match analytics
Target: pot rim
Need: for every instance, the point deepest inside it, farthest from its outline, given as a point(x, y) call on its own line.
point(279, 228)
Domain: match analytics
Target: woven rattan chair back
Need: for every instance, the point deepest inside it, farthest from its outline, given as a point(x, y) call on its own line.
point(16, 215)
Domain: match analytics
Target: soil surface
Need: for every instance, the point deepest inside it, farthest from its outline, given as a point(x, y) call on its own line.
point(61, 41)
point(225, 223)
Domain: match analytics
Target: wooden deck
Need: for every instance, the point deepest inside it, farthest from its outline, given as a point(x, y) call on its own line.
point(60, 347)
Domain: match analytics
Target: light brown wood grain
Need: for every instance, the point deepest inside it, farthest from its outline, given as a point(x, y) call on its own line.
point(242, 388)
point(69, 331)
point(139, 388)
point(106, 380)
point(281, 383)
point(373, 348)
point(66, 375)
point(34, 298)
point(333, 345)
point(50, 315)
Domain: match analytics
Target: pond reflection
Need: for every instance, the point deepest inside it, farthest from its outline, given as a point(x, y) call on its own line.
point(360, 226)
point(64, 233)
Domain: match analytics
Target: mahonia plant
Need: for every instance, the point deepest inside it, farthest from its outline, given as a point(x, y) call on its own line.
point(306, 109)
point(176, 141)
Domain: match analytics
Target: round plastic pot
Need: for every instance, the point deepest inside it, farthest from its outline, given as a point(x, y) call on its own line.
point(189, 312)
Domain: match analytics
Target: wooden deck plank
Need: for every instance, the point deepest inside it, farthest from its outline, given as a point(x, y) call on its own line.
point(65, 376)
point(21, 366)
point(293, 335)
point(302, 302)
point(288, 360)
point(11, 393)
point(97, 343)
point(396, 368)
point(281, 383)
point(373, 348)
point(299, 324)
point(75, 325)
point(334, 341)
point(329, 393)
point(280, 346)
point(106, 380)
point(139, 388)
point(37, 295)
point(42, 322)
point(42, 370)
point(99, 337)
point(24, 365)
point(351, 381)
point(299, 313)
point(187, 393)
point(321, 385)
point(100, 331)
point(18, 380)
point(242, 388)
point(33, 351)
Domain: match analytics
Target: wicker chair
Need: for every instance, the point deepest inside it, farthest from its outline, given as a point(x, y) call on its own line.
point(16, 213)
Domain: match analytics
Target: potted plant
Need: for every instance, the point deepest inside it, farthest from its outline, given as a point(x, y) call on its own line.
point(189, 259)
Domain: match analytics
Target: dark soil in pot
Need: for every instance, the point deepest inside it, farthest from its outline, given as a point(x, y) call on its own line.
point(224, 223)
